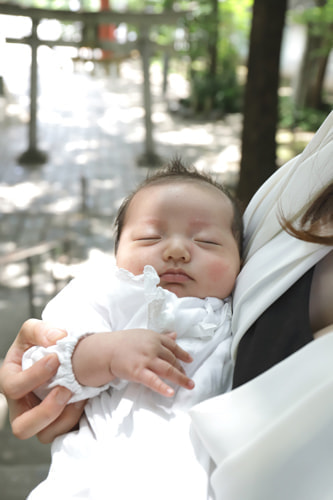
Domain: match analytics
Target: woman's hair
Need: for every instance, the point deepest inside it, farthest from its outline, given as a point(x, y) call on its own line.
point(176, 171)
point(316, 224)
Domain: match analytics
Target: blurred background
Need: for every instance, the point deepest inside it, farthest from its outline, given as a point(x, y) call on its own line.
point(96, 93)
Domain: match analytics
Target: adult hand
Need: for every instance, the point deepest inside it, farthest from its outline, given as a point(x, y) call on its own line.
point(28, 415)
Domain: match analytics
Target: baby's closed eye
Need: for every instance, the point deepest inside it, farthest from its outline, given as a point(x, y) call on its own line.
point(148, 238)
point(208, 242)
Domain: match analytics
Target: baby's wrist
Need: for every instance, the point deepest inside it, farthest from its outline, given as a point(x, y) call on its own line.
point(90, 361)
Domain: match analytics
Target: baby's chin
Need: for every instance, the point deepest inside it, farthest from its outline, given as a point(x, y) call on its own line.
point(181, 291)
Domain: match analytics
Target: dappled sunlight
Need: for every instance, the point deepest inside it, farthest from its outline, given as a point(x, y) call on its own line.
point(108, 123)
point(15, 26)
point(55, 118)
point(82, 145)
point(84, 158)
point(133, 113)
point(136, 134)
point(228, 159)
point(115, 116)
point(118, 118)
point(291, 143)
point(104, 184)
point(178, 82)
point(188, 135)
point(79, 121)
point(18, 110)
point(63, 205)
point(160, 118)
point(20, 196)
point(14, 275)
point(26, 195)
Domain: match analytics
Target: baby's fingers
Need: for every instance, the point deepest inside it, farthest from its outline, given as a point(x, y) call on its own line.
point(172, 374)
point(152, 378)
point(169, 342)
point(154, 382)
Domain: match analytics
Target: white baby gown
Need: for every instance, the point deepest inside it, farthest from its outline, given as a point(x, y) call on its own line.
point(133, 442)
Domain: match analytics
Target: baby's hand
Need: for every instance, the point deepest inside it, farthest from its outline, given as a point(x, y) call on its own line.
point(137, 355)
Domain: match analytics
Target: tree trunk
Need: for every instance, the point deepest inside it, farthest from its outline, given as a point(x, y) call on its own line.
point(314, 97)
point(310, 81)
point(261, 97)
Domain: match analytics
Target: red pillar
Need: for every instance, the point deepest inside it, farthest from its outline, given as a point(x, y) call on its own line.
point(106, 32)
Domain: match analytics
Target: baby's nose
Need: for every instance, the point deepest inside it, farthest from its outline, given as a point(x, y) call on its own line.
point(177, 249)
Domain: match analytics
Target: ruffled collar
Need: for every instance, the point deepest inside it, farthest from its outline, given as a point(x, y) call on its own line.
point(189, 316)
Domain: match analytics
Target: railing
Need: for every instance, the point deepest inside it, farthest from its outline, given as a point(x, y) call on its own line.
point(29, 255)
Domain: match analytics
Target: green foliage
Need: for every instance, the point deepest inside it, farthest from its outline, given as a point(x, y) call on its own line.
point(318, 15)
point(215, 41)
point(319, 20)
point(220, 93)
point(307, 119)
point(145, 5)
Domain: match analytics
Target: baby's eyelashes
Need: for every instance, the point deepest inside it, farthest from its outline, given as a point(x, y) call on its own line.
point(208, 242)
point(148, 238)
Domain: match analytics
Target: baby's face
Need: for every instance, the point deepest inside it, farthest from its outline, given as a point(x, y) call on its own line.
point(183, 230)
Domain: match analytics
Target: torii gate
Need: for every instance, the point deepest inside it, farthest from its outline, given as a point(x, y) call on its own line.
point(144, 21)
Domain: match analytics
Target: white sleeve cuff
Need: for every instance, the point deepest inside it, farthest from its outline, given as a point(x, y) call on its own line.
point(65, 377)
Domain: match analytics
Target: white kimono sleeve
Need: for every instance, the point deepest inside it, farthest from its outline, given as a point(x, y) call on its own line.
point(272, 438)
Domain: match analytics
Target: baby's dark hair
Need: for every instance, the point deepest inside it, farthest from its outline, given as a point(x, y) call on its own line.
point(174, 171)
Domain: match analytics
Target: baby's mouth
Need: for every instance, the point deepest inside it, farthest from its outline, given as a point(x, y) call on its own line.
point(175, 276)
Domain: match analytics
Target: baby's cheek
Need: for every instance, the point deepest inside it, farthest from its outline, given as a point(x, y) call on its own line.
point(131, 265)
point(221, 279)
point(216, 271)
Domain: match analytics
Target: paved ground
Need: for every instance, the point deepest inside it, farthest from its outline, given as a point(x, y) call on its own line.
point(91, 126)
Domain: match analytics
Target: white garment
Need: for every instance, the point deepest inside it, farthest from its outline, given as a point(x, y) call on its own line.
point(132, 442)
point(274, 260)
point(273, 437)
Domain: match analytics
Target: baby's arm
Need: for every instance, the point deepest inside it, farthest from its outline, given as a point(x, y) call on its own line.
point(137, 355)
point(79, 310)
point(89, 364)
